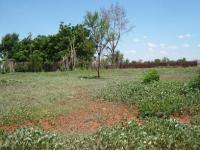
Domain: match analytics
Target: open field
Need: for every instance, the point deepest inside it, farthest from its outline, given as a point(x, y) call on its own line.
point(68, 102)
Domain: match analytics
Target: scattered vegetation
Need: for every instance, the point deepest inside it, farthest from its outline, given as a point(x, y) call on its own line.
point(155, 99)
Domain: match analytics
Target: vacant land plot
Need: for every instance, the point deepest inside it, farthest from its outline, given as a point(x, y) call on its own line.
point(76, 102)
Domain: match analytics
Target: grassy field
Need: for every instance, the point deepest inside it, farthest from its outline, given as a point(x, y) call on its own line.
point(52, 99)
point(37, 95)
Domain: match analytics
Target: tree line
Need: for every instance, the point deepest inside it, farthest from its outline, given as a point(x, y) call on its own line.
point(73, 45)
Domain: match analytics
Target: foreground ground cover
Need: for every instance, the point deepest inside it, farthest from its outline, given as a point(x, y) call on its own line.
point(153, 134)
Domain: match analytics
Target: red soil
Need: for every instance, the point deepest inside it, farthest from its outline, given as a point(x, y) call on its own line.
point(182, 118)
point(97, 114)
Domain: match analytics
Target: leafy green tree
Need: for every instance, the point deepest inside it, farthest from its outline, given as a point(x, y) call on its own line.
point(75, 44)
point(21, 56)
point(98, 27)
point(23, 49)
point(8, 44)
point(51, 49)
point(36, 61)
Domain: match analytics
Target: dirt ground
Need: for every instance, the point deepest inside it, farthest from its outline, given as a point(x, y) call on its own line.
point(95, 114)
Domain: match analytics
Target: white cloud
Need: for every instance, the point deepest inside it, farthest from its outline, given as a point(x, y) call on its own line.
point(136, 40)
point(198, 45)
point(151, 45)
point(186, 45)
point(184, 36)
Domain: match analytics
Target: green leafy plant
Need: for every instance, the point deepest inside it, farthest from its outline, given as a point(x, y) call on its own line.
point(159, 99)
point(29, 139)
point(151, 75)
point(154, 134)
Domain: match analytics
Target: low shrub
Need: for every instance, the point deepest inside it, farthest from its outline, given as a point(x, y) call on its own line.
point(150, 76)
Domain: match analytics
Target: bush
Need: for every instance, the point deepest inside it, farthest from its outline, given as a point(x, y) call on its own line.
point(151, 75)
point(194, 84)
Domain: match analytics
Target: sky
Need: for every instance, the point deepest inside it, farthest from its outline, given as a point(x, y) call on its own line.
point(163, 28)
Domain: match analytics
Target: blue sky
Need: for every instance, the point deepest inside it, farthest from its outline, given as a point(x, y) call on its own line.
point(168, 28)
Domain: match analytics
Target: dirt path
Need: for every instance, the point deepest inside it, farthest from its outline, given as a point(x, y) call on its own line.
point(93, 115)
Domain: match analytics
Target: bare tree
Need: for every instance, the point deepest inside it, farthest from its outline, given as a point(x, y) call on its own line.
point(98, 27)
point(118, 22)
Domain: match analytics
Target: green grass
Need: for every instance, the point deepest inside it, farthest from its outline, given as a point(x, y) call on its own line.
point(25, 96)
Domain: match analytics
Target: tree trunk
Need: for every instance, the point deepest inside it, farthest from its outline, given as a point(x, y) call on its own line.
point(113, 58)
point(98, 66)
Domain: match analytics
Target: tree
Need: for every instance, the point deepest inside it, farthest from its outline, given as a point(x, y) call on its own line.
point(98, 27)
point(165, 60)
point(36, 61)
point(75, 44)
point(157, 61)
point(183, 60)
point(8, 43)
point(119, 57)
point(116, 17)
point(23, 49)
point(127, 61)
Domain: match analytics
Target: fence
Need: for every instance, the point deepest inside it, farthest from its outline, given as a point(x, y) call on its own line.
point(151, 65)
